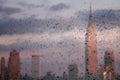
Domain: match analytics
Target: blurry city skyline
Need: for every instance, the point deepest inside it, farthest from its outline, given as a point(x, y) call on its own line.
point(56, 30)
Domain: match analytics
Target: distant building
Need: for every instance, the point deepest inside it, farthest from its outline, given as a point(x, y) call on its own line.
point(26, 77)
point(91, 60)
point(65, 76)
point(109, 64)
point(14, 66)
point(3, 71)
point(6, 76)
point(50, 76)
point(35, 67)
point(100, 72)
point(73, 72)
point(118, 77)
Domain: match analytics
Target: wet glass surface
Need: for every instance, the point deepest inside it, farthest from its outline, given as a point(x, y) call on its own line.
point(59, 40)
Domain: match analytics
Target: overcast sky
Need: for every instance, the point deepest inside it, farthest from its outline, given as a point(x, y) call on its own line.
point(55, 29)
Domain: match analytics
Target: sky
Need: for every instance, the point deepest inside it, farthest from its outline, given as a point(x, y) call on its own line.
point(55, 30)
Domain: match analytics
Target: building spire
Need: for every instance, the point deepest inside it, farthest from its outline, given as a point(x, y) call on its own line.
point(90, 16)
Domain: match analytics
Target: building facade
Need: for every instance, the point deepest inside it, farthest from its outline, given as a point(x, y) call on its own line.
point(3, 71)
point(73, 72)
point(91, 62)
point(109, 64)
point(35, 67)
point(14, 66)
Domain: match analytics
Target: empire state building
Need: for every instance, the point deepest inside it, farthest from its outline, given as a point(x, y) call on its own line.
point(91, 62)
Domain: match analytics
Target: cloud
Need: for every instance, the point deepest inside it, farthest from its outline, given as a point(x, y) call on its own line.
point(27, 41)
point(9, 10)
point(39, 26)
point(79, 20)
point(36, 31)
point(2, 1)
point(109, 35)
point(30, 5)
point(107, 17)
point(30, 41)
point(59, 7)
point(103, 19)
point(31, 25)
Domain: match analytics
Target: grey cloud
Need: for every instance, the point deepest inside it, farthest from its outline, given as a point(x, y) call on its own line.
point(4, 48)
point(30, 5)
point(103, 19)
point(59, 7)
point(10, 26)
point(22, 45)
point(2, 1)
point(31, 25)
point(9, 10)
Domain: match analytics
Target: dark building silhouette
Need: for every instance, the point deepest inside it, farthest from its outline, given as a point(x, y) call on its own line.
point(91, 62)
point(73, 72)
point(35, 67)
point(65, 76)
point(14, 66)
point(49, 76)
point(58, 78)
point(109, 64)
point(118, 77)
point(6, 75)
point(26, 77)
point(100, 72)
point(3, 71)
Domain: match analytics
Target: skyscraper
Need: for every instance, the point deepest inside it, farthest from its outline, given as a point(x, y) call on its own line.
point(14, 66)
point(35, 67)
point(3, 68)
point(73, 72)
point(91, 62)
point(109, 64)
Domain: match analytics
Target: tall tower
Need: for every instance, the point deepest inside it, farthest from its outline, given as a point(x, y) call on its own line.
point(3, 68)
point(35, 67)
point(109, 64)
point(14, 66)
point(91, 62)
